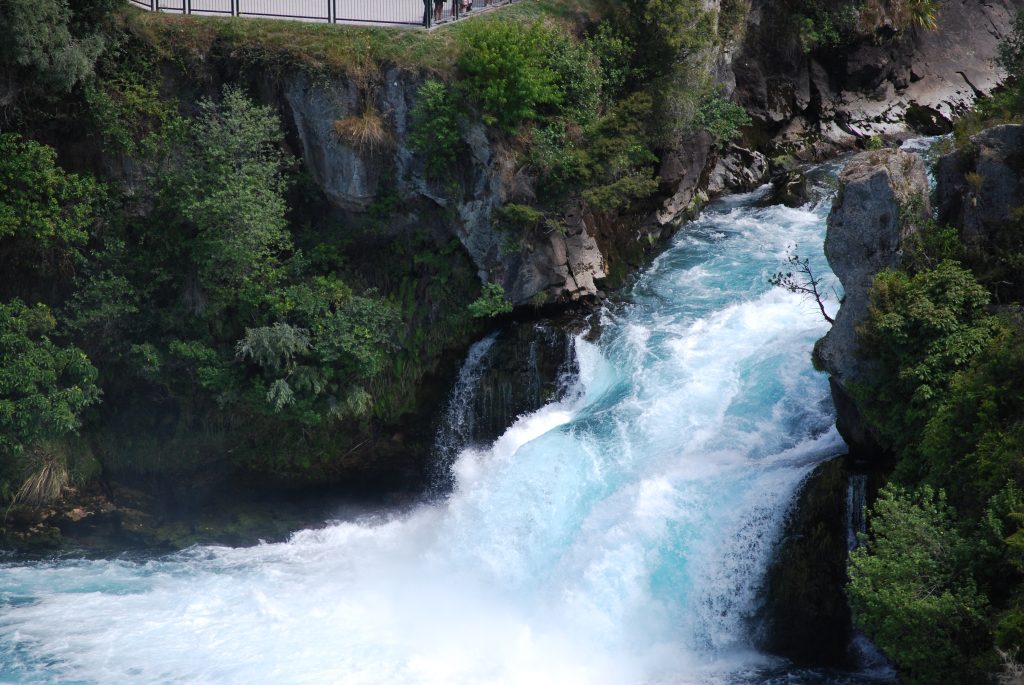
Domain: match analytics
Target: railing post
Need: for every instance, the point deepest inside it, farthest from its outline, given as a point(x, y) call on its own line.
point(330, 12)
point(234, 8)
point(152, 5)
point(186, 6)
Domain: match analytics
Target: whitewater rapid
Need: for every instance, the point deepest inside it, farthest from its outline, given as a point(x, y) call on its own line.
point(616, 537)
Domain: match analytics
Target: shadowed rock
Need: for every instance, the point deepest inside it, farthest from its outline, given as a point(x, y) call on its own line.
point(881, 194)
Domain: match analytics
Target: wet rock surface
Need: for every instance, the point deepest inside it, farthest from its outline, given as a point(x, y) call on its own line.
point(805, 616)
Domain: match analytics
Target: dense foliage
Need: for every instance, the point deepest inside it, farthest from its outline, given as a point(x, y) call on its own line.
point(44, 387)
point(434, 128)
point(230, 316)
point(939, 581)
point(505, 69)
point(908, 586)
point(821, 24)
point(40, 39)
point(45, 213)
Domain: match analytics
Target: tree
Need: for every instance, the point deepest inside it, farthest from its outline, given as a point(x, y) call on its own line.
point(316, 363)
point(910, 589)
point(38, 39)
point(492, 302)
point(230, 188)
point(721, 118)
point(434, 128)
point(921, 329)
point(505, 69)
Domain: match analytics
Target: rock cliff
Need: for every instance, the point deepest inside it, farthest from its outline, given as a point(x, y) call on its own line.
point(565, 265)
point(980, 186)
point(881, 196)
point(885, 81)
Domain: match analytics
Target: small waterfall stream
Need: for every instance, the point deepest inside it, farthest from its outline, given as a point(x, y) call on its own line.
point(856, 500)
point(456, 430)
point(616, 533)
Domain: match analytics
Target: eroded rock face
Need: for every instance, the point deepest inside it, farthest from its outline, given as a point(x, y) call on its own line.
point(881, 193)
point(980, 186)
point(548, 266)
point(348, 176)
point(737, 170)
point(886, 83)
point(683, 175)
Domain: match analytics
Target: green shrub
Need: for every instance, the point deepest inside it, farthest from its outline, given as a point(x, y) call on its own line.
point(43, 387)
point(619, 161)
point(516, 218)
point(492, 302)
point(615, 53)
point(923, 13)
point(578, 76)
point(973, 440)
point(921, 329)
point(620, 192)
point(505, 69)
point(434, 128)
point(46, 214)
point(668, 32)
point(721, 118)
point(124, 100)
point(559, 160)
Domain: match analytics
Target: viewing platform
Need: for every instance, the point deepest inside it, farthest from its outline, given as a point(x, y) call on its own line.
point(424, 13)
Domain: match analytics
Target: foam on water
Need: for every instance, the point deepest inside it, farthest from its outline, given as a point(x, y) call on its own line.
point(616, 537)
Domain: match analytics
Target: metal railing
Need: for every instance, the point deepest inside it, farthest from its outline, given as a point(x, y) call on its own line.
point(382, 12)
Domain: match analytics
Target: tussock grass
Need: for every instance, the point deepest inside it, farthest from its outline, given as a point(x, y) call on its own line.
point(367, 132)
point(46, 482)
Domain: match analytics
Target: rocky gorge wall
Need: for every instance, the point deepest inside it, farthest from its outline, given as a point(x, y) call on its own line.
point(888, 82)
point(564, 266)
point(881, 196)
point(885, 82)
point(883, 199)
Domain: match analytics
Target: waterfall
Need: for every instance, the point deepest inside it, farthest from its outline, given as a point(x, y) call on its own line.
point(505, 375)
point(614, 533)
point(856, 500)
point(456, 430)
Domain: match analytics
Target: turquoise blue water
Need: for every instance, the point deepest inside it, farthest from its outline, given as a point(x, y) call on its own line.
point(616, 537)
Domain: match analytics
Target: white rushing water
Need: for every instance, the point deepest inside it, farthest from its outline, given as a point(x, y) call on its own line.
point(617, 537)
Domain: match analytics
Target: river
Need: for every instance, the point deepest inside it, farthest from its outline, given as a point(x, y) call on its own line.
point(615, 537)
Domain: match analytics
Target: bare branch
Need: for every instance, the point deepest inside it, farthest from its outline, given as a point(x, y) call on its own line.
point(803, 282)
